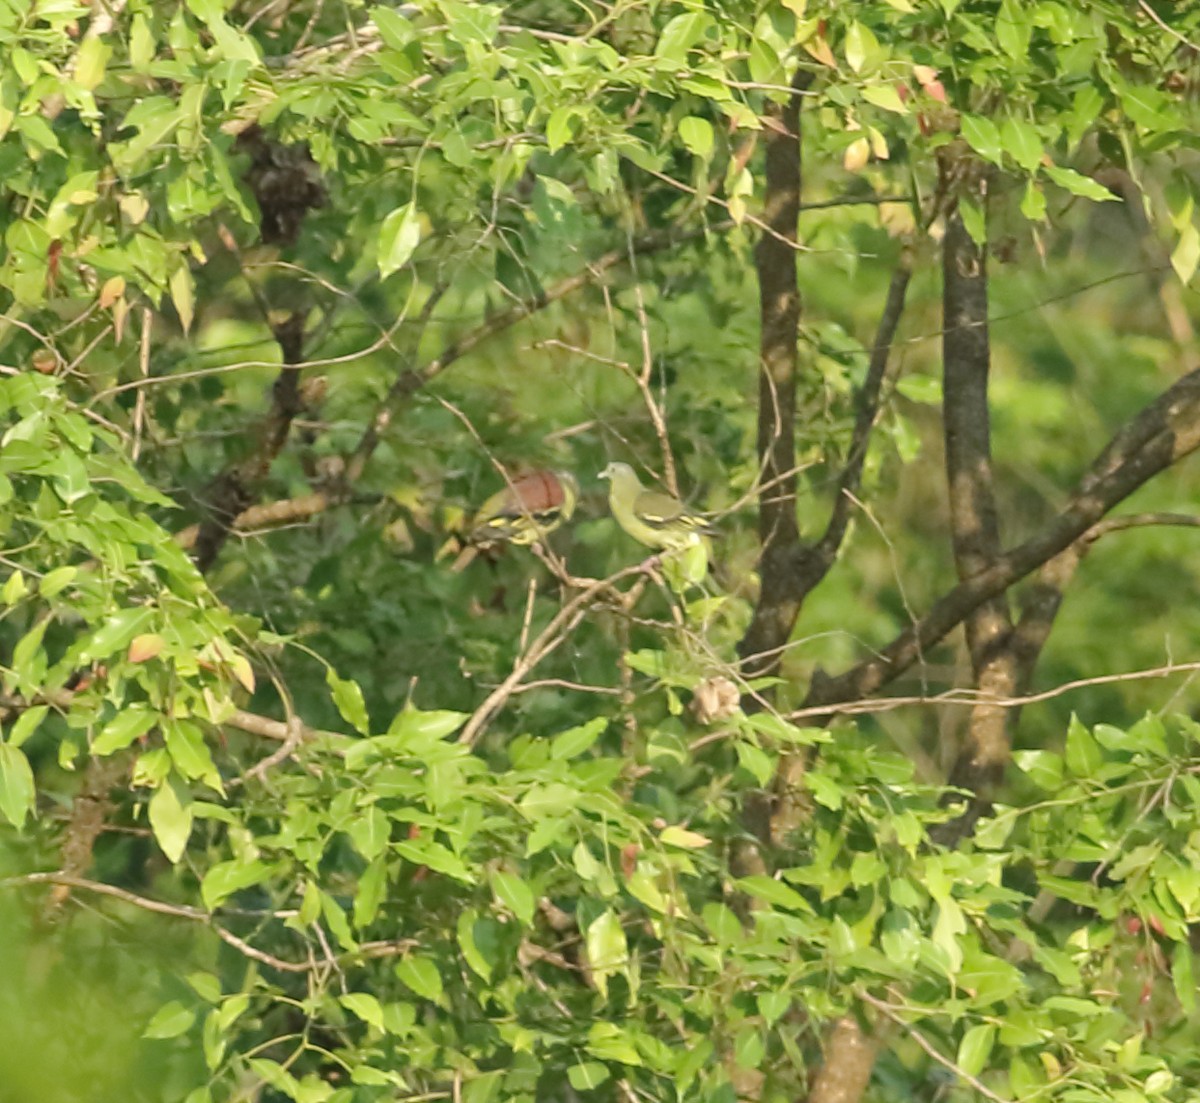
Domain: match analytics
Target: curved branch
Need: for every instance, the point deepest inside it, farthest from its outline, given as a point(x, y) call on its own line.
point(1163, 433)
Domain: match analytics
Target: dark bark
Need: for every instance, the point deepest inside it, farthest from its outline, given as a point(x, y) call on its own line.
point(234, 489)
point(781, 568)
point(1161, 434)
point(974, 522)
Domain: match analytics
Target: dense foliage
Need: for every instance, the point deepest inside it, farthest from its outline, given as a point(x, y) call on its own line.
point(291, 809)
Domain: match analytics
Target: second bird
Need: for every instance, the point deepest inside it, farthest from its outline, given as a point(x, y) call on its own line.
point(657, 520)
point(524, 512)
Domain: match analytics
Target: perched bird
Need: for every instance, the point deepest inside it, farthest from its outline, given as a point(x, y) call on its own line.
point(526, 510)
point(657, 520)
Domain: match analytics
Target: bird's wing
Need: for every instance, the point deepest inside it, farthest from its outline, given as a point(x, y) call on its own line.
point(658, 509)
point(661, 511)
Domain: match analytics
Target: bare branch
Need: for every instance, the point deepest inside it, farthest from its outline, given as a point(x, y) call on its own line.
point(1167, 430)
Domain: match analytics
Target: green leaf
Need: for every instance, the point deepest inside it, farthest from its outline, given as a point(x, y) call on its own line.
point(421, 975)
point(1078, 184)
point(1045, 768)
point(396, 31)
point(170, 1021)
point(1022, 143)
point(17, 791)
point(56, 581)
point(759, 764)
point(681, 33)
point(91, 62)
point(1183, 978)
point(471, 952)
point(190, 754)
point(861, 47)
point(558, 127)
point(607, 949)
point(365, 1006)
point(14, 589)
point(141, 43)
point(348, 698)
point(473, 22)
point(588, 1075)
point(372, 889)
point(1082, 754)
point(609, 1042)
point(370, 832)
point(399, 237)
point(116, 633)
point(775, 892)
point(225, 878)
point(423, 728)
point(27, 723)
point(171, 820)
point(484, 1087)
point(1013, 30)
point(574, 741)
point(1033, 203)
point(950, 924)
point(549, 800)
point(120, 732)
point(514, 894)
point(983, 137)
point(885, 96)
point(697, 134)
point(975, 1048)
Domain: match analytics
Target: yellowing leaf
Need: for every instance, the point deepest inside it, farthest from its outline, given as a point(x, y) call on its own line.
point(1186, 253)
point(134, 207)
point(113, 289)
point(171, 821)
point(241, 669)
point(818, 47)
point(857, 154)
point(607, 950)
point(398, 237)
point(145, 647)
point(183, 295)
point(682, 837)
point(91, 62)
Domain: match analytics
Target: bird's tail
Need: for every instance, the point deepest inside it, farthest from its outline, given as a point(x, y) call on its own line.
point(464, 558)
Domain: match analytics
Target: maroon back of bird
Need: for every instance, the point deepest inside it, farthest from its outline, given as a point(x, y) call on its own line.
point(538, 491)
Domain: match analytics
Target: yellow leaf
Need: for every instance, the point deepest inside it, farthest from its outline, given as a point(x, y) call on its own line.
point(819, 49)
point(134, 207)
point(682, 837)
point(113, 289)
point(879, 146)
point(1051, 1065)
point(857, 154)
point(243, 672)
point(183, 295)
point(145, 647)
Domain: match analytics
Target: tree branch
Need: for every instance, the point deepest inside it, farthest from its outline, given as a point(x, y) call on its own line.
point(231, 492)
point(869, 398)
point(1161, 434)
point(781, 587)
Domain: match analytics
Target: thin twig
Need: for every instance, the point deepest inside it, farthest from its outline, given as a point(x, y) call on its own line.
point(139, 406)
point(886, 1011)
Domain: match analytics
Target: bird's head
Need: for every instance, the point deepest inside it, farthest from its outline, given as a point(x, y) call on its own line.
point(617, 471)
